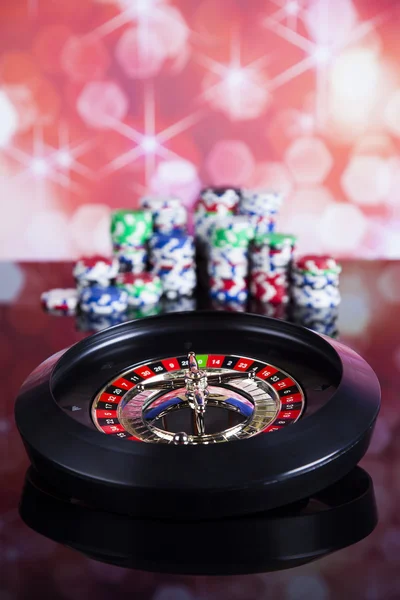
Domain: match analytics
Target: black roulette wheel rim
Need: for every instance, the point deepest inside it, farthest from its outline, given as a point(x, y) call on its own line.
point(198, 481)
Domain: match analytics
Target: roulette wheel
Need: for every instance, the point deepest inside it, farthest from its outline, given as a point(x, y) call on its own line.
point(198, 416)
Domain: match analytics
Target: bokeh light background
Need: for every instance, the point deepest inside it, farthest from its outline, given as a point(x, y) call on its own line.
point(104, 100)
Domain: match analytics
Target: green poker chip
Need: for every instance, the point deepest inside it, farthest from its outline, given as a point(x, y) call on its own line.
point(275, 240)
point(234, 232)
point(131, 227)
point(143, 289)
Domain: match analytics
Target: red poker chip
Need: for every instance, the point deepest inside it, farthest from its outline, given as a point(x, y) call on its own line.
point(273, 278)
point(270, 289)
point(91, 261)
point(314, 261)
point(131, 278)
point(227, 285)
point(212, 208)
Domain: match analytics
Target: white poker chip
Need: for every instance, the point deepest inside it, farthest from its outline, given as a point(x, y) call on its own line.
point(204, 223)
point(169, 214)
point(60, 300)
point(320, 281)
point(221, 197)
point(132, 260)
point(325, 298)
point(260, 202)
point(226, 271)
point(177, 283)
point(95, 269)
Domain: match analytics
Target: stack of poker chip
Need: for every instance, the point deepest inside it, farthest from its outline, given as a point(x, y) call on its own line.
point(169, 214)
point(143, 289)
point(172, 258)
point(213, 204)
point(271, 258)
point(95, 270)
point(228, 259)
point(261, 207)
point(315, 282)
point(130, 232)
point(97, 293)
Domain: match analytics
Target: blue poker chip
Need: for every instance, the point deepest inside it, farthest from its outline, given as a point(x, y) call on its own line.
point(171, 243)
point(227, 270)
point(182, 273)
point(328, 297)
point(228, 296)
point(103, 300)
point(132, 262)
point(317, 282)
point(263, 227)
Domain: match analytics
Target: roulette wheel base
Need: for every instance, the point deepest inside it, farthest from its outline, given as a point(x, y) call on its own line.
point(288, 537)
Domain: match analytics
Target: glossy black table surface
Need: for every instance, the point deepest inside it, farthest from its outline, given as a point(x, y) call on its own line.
point(32, 566)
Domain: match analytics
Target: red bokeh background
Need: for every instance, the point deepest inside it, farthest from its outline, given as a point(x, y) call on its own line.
point(102, 101)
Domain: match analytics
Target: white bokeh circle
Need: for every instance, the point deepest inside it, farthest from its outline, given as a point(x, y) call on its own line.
point(101, 103)
point(176, 178)
point(90, 230)
point(309, 160)
point(329, 22)
point(12, 278)
point(9, 120)
point(140, 52)
point(47, 236)
point(272, 175)
point(389, 283)
point(240, 94)
point(367, 180)
point(230, 162)
point(342, 228)
point(392, 113)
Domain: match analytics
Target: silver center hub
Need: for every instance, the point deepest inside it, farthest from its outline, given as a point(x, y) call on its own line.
point(146, 410)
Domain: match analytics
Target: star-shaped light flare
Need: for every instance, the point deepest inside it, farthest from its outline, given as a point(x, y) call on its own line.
point(149, 143)
point(318, 56)
point(51, 163)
